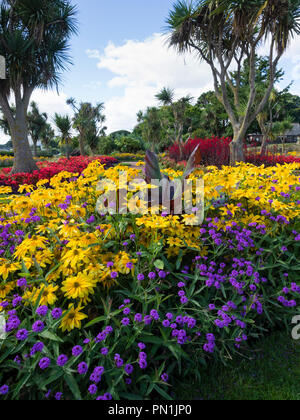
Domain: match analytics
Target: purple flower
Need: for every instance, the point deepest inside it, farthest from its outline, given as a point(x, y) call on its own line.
point(143, 364)
point(93, 389)
point(42, 311)
point(58, 396)
point(38, 326)
point(184, 300)
point(22, 335)
point(165, 377)
point(141, 346)
point(141, 277)
point(125, 321)
point(44, 363)
point(62, 360)
point(37, 348)
point(104, 351)
point(91, 220)
point(22, 282)
point(76, 351)
point(82, 368)
point(4, 389)
point(152, 275)
point(56, 313)
point(107, 396)
point(113, 274)
point(138, 318)
point(128, 369)
point(154, 314)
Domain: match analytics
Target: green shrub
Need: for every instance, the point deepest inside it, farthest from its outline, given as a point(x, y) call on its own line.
point(128, 144)
point(106, 146)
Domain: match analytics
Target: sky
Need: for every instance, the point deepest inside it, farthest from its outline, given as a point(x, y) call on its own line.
point(120, 57)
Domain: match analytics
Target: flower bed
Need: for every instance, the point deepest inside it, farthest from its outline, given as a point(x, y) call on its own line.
point(216, 151)
point(127, 306)
point(271, 160)
point(48, 170)
point(213, 151)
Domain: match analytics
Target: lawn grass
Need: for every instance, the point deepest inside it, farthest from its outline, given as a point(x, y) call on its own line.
point(271, 372)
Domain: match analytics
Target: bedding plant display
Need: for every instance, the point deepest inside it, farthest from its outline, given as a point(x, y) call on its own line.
point(127, 306)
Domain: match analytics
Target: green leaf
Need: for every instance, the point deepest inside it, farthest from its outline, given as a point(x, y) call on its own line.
point(53, 378)
point(72, 384)
point(159, 264)
point(163, 393)
point(51, 336)
point(21, 385)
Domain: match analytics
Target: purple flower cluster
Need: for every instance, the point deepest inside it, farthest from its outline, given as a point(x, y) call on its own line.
point(142, 360)
point(97, 375)
point(9, 239)
point(103, 335)
point(82, 368)
point(13, 323)
point(37, 348)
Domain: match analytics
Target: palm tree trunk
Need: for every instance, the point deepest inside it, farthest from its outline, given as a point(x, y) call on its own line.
point(23, 160)
point(81, 145)
point(34, 148)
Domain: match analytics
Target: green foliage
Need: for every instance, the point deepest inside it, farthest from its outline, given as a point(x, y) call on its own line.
point(128, 144)
point(106, 145)
point(89, 121)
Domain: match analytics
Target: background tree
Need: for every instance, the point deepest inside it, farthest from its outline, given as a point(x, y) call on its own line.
point(280, 128)
point(226, 33)
point(34, 38)
point(175, 127)
point(89, 122)
point(64, 126)
point(36, 125)
point(212, 118)
point(150, 127)
point(48, 136)
point(269, 113)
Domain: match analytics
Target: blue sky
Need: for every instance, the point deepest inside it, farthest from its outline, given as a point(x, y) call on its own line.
point(101, 22)
point(121, 58)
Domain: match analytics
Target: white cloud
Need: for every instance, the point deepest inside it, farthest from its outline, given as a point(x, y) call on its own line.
point(142, 68)
point(48, 101)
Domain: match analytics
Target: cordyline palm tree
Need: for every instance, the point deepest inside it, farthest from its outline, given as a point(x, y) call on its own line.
point(225, 33)
point(47, 135)
point(34, 37)
point(88, 121)
point(152, 127)
point(36, 125)
point(166, 98)
point(64, 126)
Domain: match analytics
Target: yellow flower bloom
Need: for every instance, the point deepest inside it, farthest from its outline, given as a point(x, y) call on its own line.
point(7, 267)
point(77, 287)
point(72, 319)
